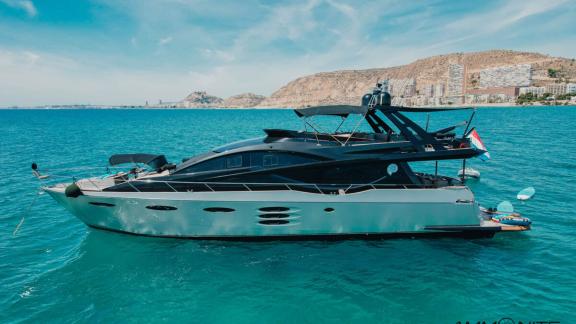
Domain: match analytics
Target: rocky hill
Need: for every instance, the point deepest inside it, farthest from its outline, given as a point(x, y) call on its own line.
point(199, 99)
point(245, 100)
point(347, 87)
point(460, 78)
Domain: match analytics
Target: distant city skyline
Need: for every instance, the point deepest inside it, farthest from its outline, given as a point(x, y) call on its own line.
point(127, 52)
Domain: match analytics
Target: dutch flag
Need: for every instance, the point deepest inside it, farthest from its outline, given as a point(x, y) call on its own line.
point(478, 144)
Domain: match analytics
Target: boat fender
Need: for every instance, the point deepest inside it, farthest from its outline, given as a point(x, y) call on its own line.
point(73, 191)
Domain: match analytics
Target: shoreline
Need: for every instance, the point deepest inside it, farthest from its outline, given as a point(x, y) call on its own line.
point(488, 106)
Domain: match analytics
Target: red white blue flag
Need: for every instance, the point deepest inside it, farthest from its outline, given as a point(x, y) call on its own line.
point(478, 144)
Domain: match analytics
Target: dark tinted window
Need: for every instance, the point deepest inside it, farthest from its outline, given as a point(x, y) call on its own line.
point(260, 159)
point(353, 173)
point(232, 161)
point(269, 160)
point(274, 159)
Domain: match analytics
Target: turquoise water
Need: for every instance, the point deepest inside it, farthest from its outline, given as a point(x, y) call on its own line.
point(55, 269)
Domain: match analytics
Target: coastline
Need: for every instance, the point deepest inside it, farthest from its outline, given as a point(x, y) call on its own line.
point(83, 107)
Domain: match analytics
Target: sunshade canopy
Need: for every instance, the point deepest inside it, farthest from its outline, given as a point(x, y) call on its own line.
point(345, 110)
point(334, 110)
point(418, 109)
point(153, 160)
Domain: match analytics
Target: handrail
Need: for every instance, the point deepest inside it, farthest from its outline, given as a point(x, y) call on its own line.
point(326, 188)
point(275, 183)
point(318, 188)
point(131, 186)
point(171, 187)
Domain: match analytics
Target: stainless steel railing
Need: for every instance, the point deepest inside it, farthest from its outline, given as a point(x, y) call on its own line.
point(194, 186)
point(100, 183)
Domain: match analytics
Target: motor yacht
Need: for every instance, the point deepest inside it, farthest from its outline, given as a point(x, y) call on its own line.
point(288, 184)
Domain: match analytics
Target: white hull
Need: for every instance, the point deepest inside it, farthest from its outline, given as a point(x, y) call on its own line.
point(378, 211)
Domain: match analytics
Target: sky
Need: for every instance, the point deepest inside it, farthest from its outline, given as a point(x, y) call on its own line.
point(130, 51)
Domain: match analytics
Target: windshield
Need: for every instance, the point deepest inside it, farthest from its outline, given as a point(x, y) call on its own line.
point(238, 144)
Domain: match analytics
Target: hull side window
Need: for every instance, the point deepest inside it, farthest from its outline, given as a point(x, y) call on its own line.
point(159, 207)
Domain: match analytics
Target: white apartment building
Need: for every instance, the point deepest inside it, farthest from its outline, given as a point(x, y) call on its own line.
point(535, 91)
point(439, 90)
point(506, 76)
point(402, 87)
point(455, 80)
point(556, 88)
point(428, 90)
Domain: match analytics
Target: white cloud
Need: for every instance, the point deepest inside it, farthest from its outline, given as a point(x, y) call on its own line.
point(18, 58)
point(31, 57)
point(343, 8)
point(499, 18)
point(293, 22)
point(26, 5)
point(220, 55)
point(63, 80)
point(165, 40)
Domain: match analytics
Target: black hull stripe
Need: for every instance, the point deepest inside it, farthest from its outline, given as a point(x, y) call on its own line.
point(320, 237)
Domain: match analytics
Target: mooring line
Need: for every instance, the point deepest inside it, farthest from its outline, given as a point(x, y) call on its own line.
point(25, 213)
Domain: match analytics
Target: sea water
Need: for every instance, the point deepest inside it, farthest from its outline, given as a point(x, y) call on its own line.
point(55, 269)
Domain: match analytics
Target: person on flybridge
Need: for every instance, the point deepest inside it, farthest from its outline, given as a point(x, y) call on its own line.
point(379, 95)
point(382, 86)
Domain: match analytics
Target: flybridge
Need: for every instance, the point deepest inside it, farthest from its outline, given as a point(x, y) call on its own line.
point(389, 125)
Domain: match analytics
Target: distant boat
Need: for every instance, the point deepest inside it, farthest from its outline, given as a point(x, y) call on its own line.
point(526, 193)
point(469, 173)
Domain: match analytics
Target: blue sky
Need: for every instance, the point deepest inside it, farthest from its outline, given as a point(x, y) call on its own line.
point(130, 51)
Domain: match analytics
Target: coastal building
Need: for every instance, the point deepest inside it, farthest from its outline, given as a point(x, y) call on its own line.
point(410, 90)
point(470, 99)
point(556, 88)
point(422, 101)
point(428, 91)
point(397, 101)
point(455, 79)
point(490, 99)
point(437, 101)
point(402, 87)
point(507, 91)
point(519, 75)
point(455, 100)
point(168, 104)
point(535, 91)
point(571, 88)
point(439, 90)
point(402, 101)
